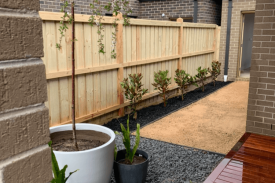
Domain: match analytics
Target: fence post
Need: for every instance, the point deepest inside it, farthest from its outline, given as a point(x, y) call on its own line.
point(119, 58)
point(217, 50)
point(216, 43)
point(180, 20)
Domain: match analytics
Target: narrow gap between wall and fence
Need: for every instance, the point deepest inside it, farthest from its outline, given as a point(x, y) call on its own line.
point(145, 46)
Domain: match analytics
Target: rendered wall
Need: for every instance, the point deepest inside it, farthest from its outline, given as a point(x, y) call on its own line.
point(24, 128)
point(261, 102)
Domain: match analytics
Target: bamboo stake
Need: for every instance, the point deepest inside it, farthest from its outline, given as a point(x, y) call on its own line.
point(73, 79)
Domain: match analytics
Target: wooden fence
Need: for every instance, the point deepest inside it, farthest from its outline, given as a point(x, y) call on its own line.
point(145, 47)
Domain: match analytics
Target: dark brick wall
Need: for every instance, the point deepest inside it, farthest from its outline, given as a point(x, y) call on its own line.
point(261, 102)
point(81, 6)
point(171, 8)
point(209, 11)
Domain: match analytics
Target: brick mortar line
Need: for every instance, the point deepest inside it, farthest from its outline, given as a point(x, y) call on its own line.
point(20, 63)
point(19, 13)
point(13, 113)
point(19, 157)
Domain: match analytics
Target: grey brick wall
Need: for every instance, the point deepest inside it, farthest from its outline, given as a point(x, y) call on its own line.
point(261, 102)
point(171, 8)
point(81, 6)
point(238, 7)
point(209, 11)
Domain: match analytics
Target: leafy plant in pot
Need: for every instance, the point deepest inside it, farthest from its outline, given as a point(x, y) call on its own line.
point(131, 164)
point(94, 160)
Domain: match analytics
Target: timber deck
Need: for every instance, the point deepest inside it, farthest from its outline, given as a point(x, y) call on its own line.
point(252, 160)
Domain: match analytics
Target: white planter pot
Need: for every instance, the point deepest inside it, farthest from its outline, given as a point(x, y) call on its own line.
point(95, 165)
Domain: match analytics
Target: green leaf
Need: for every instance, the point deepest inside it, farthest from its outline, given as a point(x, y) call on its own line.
point(59, 175)
point(70, 175)
point(136, 143)
point(115, 152)
point(55, 166)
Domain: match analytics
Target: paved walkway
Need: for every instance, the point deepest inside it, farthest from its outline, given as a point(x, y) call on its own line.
point(214, 123)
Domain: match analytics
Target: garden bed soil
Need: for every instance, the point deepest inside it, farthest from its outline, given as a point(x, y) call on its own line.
point(153, 113)
point(137, 160)
point(171, 163)
point(214, 123)
point(86, 139)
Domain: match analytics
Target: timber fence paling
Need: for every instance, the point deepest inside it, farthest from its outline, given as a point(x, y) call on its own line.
point(145, 46)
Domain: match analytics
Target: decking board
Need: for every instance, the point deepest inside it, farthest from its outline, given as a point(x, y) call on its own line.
point(251, 160)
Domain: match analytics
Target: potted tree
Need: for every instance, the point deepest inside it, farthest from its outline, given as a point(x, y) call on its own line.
point(131, 164)
point(86, 147)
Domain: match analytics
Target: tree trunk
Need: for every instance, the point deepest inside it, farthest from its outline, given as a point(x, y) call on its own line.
point(164, 99)
point(135, 115)
point(182, 97)
point(73, 79)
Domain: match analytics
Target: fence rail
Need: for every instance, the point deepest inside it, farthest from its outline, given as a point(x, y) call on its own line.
point(145, 46)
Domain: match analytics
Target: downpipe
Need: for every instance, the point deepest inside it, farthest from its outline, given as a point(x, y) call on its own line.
point(227, 46)
point(225, 78)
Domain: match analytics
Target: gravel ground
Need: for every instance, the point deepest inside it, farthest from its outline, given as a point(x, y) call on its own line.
point(172, 163)
point(153, 113)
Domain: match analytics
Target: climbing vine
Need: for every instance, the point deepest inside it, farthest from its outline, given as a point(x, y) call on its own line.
point(66, 18)
point(96, 18)
point(114, 6)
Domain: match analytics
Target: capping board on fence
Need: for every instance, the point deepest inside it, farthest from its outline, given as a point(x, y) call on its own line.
point(141, 48)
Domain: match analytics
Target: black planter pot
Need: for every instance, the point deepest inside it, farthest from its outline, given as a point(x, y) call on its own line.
point(131, 173)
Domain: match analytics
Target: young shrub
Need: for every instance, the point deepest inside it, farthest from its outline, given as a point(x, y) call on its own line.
point(59, 175)
point(201, 76)
point(133, 91)
point(127, 142)
point(215, 71)
point(184, 80)
point(161, 83)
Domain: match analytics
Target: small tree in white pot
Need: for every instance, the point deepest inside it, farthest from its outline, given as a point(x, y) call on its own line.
point(72, 143)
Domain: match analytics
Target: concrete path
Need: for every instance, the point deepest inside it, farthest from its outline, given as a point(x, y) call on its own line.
point(214, 123)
